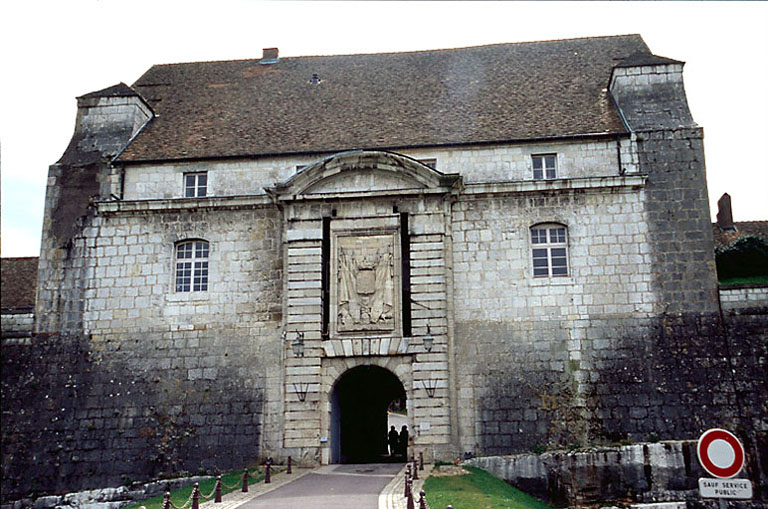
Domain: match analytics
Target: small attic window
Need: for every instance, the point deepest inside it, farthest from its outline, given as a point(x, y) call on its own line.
point(432, 163)
point(315, 79)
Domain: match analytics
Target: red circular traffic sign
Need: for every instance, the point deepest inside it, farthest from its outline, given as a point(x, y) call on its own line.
point(720, 453)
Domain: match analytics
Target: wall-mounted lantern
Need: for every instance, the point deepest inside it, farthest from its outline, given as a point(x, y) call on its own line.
point(428, 340)
point(298, 344)
point(430, 386)
point(301, 391)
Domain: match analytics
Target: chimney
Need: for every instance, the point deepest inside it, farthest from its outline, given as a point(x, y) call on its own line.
point(724, 214)
point(270, 56)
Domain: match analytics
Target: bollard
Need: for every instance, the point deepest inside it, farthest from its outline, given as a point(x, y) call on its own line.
point(421, 460)
point(288, 470)
point(422, 500)
point(409, 503)
point(217, 500)
point(196, 497)
point(449, 507)
point(245, 480)
point(167, 500)
point(415, 470)
point(267, 476)
point(407, 482)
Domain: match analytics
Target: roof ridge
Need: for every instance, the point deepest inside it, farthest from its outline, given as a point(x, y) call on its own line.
point(406, 52)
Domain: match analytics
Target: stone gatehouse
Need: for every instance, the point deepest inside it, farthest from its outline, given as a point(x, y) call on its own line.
point(255, 258)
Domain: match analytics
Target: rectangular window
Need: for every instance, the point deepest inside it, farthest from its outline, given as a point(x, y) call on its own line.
point(195, 185)
point(432, 163)
point(544, 167)
point(550, 251)
point(192, 266)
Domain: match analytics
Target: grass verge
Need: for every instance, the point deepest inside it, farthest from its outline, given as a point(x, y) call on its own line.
point(477, 490)
point(180, 496)
point(744, 280)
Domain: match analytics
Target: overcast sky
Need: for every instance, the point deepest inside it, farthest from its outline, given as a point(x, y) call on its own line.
point(54, 51)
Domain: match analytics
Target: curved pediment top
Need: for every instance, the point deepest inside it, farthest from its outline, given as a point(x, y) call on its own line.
point(364, 171)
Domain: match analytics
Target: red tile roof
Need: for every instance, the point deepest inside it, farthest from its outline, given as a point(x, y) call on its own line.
point(19, 280)
point(743, 229)
point(485, 94)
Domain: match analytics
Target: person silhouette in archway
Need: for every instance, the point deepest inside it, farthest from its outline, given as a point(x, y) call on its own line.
point(403, 441)
point(392, 439)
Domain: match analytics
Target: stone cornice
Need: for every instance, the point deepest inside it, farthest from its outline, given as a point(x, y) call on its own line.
point(557, 185)
point(181, 204)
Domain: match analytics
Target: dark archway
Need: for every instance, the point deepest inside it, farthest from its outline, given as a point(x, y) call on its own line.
point(359, 405)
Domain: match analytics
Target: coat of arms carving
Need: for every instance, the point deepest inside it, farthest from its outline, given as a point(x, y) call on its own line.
point(365, 284)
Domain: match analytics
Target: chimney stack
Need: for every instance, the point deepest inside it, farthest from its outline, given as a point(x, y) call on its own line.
point(270, 56)
point(724, 213)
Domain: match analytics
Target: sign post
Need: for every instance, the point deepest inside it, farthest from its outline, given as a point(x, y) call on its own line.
point(722, 455)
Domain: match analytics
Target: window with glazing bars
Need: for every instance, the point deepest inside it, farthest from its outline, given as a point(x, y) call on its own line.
point(550, 250)
point(195, 185)
point(544, 167)
point(192, 266)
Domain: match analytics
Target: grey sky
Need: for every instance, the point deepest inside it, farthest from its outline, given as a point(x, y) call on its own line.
point(54, 51)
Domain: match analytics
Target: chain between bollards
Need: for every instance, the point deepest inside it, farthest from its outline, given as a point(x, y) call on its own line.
point(217, 500)
point(196, 497)
point(289, 470)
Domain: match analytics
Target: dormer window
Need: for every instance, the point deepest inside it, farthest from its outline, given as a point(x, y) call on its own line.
point(196, 184)
point(544, 166)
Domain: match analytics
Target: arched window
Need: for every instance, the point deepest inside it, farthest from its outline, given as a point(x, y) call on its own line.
point(192, 266)
point(549, 249)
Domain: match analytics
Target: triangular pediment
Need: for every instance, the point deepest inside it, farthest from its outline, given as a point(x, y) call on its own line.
point(362, 172)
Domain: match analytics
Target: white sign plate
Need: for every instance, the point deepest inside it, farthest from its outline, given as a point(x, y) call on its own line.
point(725, 488)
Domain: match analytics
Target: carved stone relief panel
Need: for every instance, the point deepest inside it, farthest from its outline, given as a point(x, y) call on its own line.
point(365, 277)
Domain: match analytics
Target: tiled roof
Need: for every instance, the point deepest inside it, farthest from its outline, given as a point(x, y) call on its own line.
point(743, 229)
point(642, 59)
point(483, 94)
point(19, 279)
point(119, 90)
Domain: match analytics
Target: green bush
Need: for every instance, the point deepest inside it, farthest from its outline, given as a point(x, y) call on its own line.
point(745, 257)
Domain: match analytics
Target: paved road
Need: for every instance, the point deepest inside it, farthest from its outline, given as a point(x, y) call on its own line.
point(331, 487)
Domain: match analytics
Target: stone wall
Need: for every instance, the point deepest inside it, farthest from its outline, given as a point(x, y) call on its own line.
point(743, 297)
point(17, 324)
point(92, 413)
point(650, 472)
point(502, 163)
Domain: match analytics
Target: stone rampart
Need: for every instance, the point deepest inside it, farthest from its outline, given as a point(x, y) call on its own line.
point(649, 472)
point(80, 413)
point(739, 298)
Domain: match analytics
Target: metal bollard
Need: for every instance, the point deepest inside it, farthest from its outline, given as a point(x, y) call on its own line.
point(288, 470)
point(245, 480)
point(267, 474)
point(407, 482)
point(167, 500)
point(196, 497)
point(422, 500)
point(421, 460)
point(409, 503)
point(217, 500)
point(415, 470)
point(449, 507)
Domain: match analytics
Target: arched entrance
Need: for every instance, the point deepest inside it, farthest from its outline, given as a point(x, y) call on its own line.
point(359, 403)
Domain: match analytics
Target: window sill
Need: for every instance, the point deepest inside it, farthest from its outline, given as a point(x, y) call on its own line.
point(186, 296)
point(552, 281)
